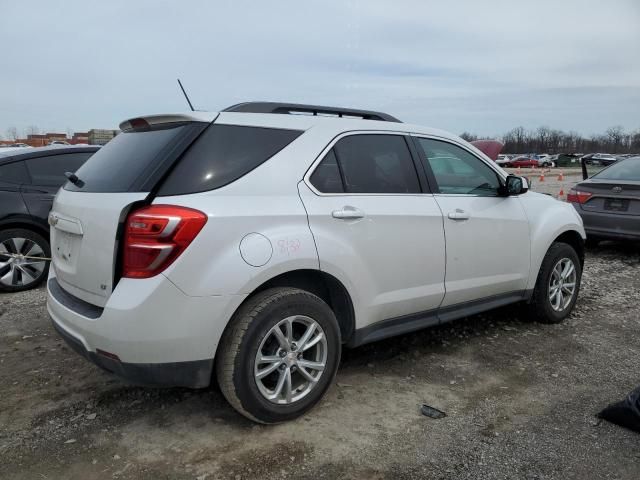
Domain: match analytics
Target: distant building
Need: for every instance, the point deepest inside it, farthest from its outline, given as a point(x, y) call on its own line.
point(79, 137)
point(99, 136)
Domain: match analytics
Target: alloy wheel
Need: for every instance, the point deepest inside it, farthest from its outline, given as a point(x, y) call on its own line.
point(19, 262)
point(562, 284)
point(291, 359)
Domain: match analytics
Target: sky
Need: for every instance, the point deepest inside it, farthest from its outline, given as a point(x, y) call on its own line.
point(475, 66)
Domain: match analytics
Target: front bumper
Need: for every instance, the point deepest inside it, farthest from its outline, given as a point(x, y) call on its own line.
point(149, 332)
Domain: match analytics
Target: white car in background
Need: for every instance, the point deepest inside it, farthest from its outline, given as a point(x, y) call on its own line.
point(503, 160)
point(256, 244)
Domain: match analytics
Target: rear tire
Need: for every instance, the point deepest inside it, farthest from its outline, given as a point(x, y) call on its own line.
point(267, 326)
point(557, 286)
point(19, 274)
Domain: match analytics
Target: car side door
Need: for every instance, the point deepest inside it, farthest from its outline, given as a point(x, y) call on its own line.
point(376, 226)
point(12, 176)
point(47, 176)
point(487, 234)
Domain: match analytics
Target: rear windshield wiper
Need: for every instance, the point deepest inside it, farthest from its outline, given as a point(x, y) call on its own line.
point(73, 178)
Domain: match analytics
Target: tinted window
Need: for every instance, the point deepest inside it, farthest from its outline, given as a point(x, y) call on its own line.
point(49, 171)
point(326, 176)
point(14, 172)
point(623, 170)
point(377, 164)
point(222, 154)
point(458, 171)
point(130, 156)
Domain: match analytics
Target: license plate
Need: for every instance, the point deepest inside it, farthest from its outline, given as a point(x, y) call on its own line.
point(64, 245)
point(618, 205)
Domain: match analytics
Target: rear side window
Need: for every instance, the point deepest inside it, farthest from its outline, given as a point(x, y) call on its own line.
point(14, 172)
point(124, 163)
point(223, 154)
point(326, 177)
point(49, 171)
point(377, 164)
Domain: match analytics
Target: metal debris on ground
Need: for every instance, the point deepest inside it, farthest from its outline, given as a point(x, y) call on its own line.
point(432, 412)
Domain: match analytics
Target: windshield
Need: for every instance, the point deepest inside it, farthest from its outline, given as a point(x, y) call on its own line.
point(628, 169)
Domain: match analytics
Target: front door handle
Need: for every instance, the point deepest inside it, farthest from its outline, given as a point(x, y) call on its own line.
point(348, 213)
point(458, 215)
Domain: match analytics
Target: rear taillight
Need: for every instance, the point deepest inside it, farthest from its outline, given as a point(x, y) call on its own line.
point(156, 235)
point(576, 196)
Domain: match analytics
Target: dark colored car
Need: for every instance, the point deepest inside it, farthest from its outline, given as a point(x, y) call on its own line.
point(599, 159)
point(29, 179)
point(609, 201)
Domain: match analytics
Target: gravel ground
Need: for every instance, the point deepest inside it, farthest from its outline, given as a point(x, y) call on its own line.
point(520, 400)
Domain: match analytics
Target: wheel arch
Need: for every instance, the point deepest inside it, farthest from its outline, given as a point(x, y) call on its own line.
point(325, 286)
point(26, 224)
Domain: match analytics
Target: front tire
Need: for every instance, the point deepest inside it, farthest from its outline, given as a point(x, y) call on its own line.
point(20, 268)
point(279, 355)
point(557, 286)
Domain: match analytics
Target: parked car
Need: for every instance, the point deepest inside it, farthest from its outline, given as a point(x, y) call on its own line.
point(29, 178)
point(20, 145)
point(256, 244)
point(523, 162)
point(609, 202)
point(58, 142)
point(503, 160)
point(599, 159)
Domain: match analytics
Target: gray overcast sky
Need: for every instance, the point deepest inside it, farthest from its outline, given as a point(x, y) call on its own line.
point(479, 66)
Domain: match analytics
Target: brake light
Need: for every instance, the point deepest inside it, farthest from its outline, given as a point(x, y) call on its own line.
point(576, 196)
point(156, 235)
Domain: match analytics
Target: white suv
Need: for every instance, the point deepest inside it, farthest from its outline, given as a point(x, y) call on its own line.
point(255, 242)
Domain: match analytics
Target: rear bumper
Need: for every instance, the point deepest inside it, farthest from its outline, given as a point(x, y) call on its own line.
point(149, 332)
point(194, 374)
point(609, 225)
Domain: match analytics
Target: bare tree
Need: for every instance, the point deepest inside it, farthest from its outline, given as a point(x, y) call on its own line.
point(615, 135)
point(12, 133)
point(32, 130)
point(469, 137)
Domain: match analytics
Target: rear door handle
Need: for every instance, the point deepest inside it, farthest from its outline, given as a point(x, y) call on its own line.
point(458, 215)
point(348, 212)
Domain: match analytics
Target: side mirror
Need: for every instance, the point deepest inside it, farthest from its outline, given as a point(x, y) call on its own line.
point(515, 185)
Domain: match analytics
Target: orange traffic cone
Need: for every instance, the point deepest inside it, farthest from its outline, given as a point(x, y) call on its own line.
point(560, 177)
point(541, 179)
point(561, 194)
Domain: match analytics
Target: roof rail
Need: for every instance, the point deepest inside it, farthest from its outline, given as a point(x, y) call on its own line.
point(296, 108)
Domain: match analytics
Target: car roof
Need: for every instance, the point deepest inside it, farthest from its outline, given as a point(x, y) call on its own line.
point(26, 153)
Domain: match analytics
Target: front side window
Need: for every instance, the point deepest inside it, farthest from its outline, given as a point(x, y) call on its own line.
point(457, 171)
point(376, 164)
point(49, 171)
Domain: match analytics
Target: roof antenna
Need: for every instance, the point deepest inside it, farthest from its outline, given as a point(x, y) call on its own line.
point(186, 96)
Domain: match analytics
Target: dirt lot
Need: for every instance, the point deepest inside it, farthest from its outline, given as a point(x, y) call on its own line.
point(520, 399)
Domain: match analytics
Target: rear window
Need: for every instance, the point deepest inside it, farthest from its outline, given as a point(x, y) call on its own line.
point(223, 154)
point(126, 162)
point(628, 169)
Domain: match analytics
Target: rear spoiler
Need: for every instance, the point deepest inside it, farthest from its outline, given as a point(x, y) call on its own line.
point(150, 120)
